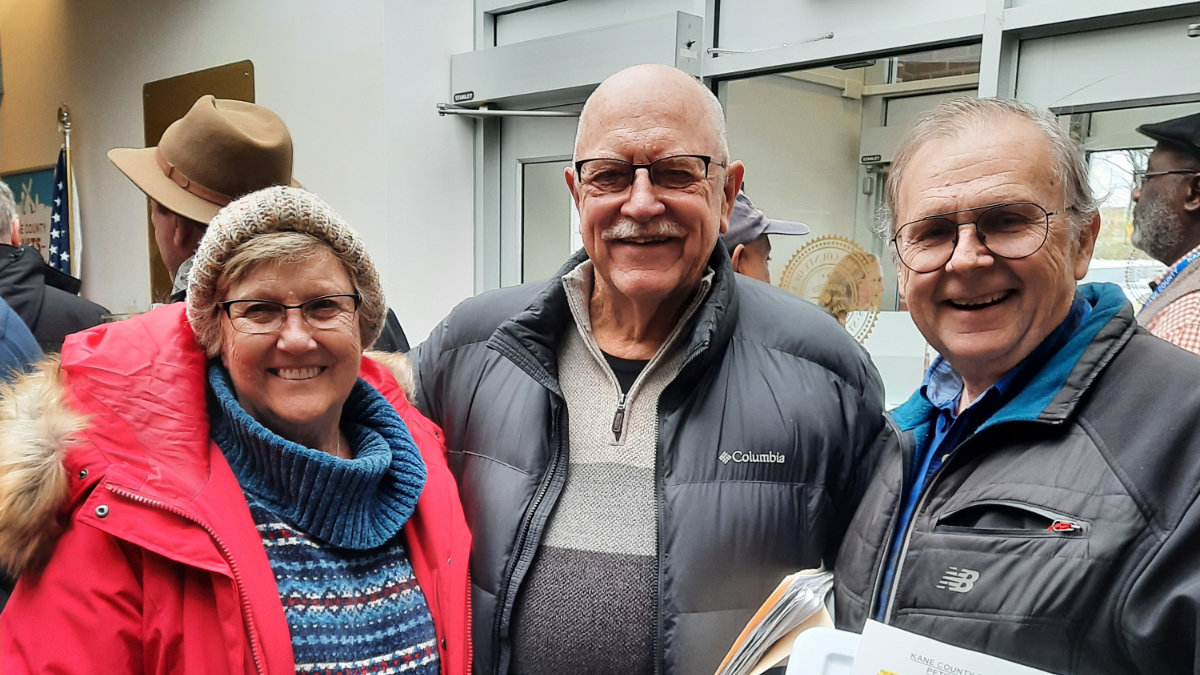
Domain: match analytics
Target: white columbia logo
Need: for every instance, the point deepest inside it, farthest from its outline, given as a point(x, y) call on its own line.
point(740, 457)
point(958, 580)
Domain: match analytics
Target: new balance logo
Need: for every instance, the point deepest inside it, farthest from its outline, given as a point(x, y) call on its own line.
point(958, 580)
point(740, 457)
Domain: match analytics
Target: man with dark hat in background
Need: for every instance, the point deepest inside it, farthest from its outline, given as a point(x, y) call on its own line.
point(220, 150)
point(747, 241)
point(1166, 225)
point(45, 298)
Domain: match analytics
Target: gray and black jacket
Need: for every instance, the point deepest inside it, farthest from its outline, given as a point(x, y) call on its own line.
point(1064, 533)
point(764, 372)
point(44, 297)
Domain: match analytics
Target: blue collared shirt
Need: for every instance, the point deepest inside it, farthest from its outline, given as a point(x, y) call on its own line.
point(943, 388)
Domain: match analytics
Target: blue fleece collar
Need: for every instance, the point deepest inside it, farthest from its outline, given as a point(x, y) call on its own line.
point(1105, 300)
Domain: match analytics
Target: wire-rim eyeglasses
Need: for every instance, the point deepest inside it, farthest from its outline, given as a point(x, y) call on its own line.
point(1140, 175)
point(1011, 230)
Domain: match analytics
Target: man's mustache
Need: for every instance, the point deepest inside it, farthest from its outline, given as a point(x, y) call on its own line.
point(628, 229)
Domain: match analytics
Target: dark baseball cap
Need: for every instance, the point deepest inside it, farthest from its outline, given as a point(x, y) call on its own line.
point(1181, 133)
point(747, 223)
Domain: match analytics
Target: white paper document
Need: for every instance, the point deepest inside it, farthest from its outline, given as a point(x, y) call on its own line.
point(886, 650)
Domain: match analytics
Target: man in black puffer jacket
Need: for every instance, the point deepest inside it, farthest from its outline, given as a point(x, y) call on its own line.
point(649, 442)
point(45, 298)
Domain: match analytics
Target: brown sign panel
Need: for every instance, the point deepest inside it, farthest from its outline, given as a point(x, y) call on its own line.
point(163, 102)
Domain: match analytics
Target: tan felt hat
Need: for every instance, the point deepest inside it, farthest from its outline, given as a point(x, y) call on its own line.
point(220, 150)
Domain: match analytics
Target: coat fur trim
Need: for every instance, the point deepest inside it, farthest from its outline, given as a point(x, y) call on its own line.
point(36, 429)
point(401, 369)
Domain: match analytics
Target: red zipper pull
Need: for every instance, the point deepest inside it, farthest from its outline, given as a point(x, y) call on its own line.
point(1064, 526)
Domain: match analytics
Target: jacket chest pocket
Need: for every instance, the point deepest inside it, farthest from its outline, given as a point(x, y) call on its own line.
point(1006, 557)
point(1010, 518)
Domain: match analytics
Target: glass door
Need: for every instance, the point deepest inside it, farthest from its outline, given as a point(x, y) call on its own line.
point(535, 206)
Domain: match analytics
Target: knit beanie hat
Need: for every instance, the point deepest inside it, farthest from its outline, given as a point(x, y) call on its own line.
point(279, 208)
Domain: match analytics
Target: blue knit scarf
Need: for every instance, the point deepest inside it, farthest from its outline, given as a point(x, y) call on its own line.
point(356, 504)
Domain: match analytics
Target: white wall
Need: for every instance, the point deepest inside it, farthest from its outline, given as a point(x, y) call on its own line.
point(357, 85)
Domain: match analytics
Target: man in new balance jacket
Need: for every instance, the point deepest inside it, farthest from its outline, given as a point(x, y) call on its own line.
point(1036, 498)
point(646, 444)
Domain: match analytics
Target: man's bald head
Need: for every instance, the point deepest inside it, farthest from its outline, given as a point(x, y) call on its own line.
point(646, 86)
point(654, 187)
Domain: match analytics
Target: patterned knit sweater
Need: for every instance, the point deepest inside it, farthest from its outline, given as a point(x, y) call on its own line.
point(332, 532)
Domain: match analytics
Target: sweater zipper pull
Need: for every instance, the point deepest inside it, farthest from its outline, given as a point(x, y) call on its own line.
point(619, 418)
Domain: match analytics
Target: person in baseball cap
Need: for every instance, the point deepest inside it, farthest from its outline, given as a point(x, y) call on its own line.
point(1166, 225)
point(220, 150)
point(747, 241)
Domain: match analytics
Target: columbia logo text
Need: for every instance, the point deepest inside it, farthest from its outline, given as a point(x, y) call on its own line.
point(958, 580)
point(742, 457)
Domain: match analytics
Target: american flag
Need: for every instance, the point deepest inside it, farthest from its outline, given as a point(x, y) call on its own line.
point(60, 217)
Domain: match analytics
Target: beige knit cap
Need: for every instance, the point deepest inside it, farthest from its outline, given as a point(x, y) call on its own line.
point(279, 208)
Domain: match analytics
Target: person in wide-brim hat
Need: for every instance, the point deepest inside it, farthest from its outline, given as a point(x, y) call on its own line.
point(220, 150)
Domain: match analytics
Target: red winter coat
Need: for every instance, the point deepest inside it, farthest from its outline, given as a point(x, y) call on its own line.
point(143, 556)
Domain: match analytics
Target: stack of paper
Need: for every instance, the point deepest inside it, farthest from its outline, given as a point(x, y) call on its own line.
point(887, 649)
point(797, 603)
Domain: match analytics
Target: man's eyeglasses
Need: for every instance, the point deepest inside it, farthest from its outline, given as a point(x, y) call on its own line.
point(615, 175)
point(1010, 230)
point(1140, 175)
point(258, 317)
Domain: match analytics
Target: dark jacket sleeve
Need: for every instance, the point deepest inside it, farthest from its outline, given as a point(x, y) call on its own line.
point(864, 413)
point(392, 339)
point(1161, 617)
point(63, 314)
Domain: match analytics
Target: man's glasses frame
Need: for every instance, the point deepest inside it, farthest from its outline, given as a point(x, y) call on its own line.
point(1140, 175)
point(655, 170)
point(906, 256)
point(234, 309)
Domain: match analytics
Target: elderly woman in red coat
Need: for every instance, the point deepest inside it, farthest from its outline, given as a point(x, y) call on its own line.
point(237, 489)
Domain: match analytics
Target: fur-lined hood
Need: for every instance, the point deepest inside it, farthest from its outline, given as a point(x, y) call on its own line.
point(38, 429)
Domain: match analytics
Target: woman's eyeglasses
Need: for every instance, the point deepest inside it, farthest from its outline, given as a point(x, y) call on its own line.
point(258, 317)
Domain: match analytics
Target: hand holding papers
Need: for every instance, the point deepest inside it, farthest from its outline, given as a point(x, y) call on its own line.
point(797, 603)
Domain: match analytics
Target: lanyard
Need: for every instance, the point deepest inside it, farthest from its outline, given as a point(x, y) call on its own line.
point(1171, 276)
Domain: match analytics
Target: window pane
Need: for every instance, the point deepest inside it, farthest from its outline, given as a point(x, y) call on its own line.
point(1115, 259)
